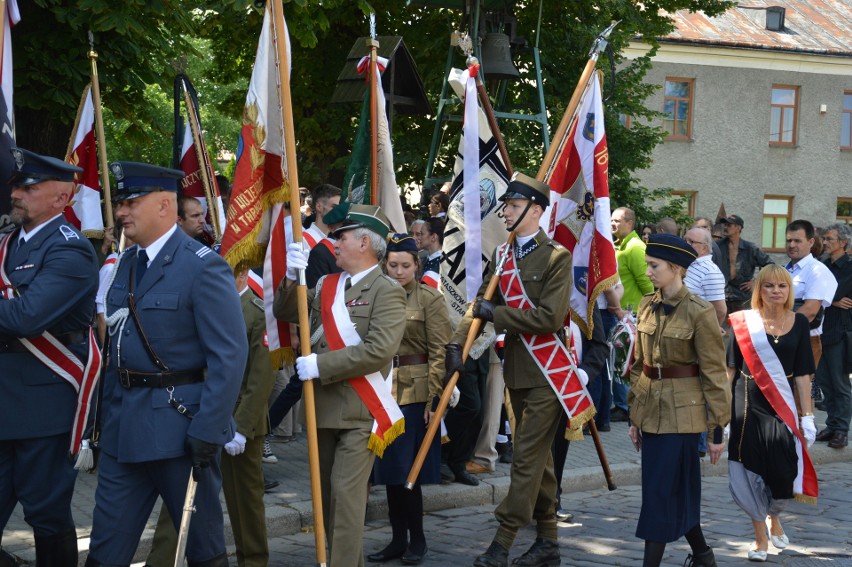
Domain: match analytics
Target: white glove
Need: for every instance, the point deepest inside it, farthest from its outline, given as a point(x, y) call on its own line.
point(808, 429)
point(454, 397)
point(237, 445)
point(297, 259)
point(584, 376)
point(306, 367)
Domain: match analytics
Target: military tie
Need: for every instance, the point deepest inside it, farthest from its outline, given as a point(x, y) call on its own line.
point(141, 265)
point(348, 284)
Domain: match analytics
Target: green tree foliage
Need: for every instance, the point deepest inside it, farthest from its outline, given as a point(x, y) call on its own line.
point(142, 43)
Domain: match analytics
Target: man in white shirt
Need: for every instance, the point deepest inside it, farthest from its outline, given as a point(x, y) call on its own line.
point(813, 284)
point(704, 278)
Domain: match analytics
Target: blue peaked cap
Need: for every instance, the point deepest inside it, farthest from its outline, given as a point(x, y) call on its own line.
point(134, 179)
point(31, 168)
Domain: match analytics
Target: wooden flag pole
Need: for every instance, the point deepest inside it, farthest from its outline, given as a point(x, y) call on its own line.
point(99, 125)
point(302, 289)
point(204, 170)
point(373, 44)
point(569, 116)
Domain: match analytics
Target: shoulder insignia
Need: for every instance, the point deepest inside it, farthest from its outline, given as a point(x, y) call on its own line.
point(198, 249)
point(68, 232)
point(258, 302)
point(390, 280)
point(203, 251)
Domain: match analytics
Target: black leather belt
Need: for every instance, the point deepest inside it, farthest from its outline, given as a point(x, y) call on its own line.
point(67, 339)
point(130, 379)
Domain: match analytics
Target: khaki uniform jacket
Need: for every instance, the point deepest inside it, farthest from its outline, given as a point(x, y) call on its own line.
point(251, 412)
point(427, 330)
point(688, 335)
point(377, 308)
point(546, 276)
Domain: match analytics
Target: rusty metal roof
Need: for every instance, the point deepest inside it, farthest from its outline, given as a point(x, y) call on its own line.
point(811, 26)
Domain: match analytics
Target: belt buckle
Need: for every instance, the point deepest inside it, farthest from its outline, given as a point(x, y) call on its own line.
point(659, 371)
point(395, 361)
point(124, 378)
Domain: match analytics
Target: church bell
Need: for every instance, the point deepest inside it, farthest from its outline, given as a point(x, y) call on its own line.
point(497, 57)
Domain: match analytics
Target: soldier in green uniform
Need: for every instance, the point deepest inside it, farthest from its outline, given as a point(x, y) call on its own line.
point(363, 303)
point(544, 269)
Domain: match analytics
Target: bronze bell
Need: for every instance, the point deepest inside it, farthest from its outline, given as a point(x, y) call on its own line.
point(497, 57)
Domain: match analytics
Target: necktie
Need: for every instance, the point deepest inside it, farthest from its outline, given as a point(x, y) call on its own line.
point(21, 242)
point(141, 265)
point(348, 284)
point(667, 309)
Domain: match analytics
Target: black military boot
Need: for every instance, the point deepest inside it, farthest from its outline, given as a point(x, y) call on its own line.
point(494, 556)
point(7, 560)
point(218, 561)
point(542, 553)
point(57, 550)
point(704, 559)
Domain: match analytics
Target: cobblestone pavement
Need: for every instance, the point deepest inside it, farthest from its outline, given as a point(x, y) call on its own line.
point(460, 522)
point(605, 523)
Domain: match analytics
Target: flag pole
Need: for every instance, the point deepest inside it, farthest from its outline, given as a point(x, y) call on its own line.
point(373, 45)
point(99, 125)
point(207, 179)
point(302, 289)
point(579, 91)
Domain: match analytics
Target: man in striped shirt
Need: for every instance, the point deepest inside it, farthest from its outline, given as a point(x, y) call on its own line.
point(704, 278)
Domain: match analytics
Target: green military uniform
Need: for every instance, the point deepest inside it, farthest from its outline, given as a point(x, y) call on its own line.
point(427, 330)
point(682, 405)
point(242, 475)
point(546, 276)
point(376, 305)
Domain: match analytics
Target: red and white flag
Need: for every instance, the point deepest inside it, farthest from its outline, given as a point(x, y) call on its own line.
point(7, 112)
point(84, 209)
point(193, 185)
point(256, 233)
point(579, 213)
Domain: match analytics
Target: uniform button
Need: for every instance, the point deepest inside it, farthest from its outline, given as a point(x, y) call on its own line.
point(322, 344)
point(157, 302)
point(126, 332)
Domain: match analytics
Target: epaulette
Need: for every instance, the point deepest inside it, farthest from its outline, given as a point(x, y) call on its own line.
point(556, 245)
point(390, 279)
point(68, 232)
point(199, 249)
point(258, 302)
point(429, 290)
point(699, 300)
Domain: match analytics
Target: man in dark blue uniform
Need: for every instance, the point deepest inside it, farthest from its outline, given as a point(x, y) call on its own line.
point(49, 281)
point(178, 350)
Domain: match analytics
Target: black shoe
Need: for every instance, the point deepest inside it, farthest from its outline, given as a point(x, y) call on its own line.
point(618, 414)
point(820, 406)
point(825, 435)
point(563, 515)
point(587, 430)
point(464, 477)
point(415, 554)
point(542, 553)
point(268, 486)
point(494, 556)
point(57, 549)
point(706, 559)
point(839, 441)
point(604, 427)
point(508, 455)
point(392, 551)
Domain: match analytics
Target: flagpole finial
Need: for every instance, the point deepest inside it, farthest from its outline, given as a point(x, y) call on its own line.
point(465, 43)
point(602, 40)
point(373, 25)
point(92, 53)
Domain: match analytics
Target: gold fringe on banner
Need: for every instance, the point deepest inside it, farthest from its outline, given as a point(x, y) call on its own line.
point(378, 444)
point(574, 431)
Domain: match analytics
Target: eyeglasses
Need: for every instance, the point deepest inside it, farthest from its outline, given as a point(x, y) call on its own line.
point(830, 239)
point(693, 242)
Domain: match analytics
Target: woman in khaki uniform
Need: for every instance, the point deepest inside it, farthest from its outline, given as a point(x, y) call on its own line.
point(417, 380)
point(678, 389)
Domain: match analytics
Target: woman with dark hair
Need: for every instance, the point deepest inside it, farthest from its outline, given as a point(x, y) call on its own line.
point(439, 204)
point(678, 389)
point(770, 361)
point(647, 231)
point(417, 380)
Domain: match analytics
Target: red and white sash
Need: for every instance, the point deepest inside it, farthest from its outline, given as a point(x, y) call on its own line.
point(772, 381)
point(61, 361)
point(373, 389)
point(556, 362)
